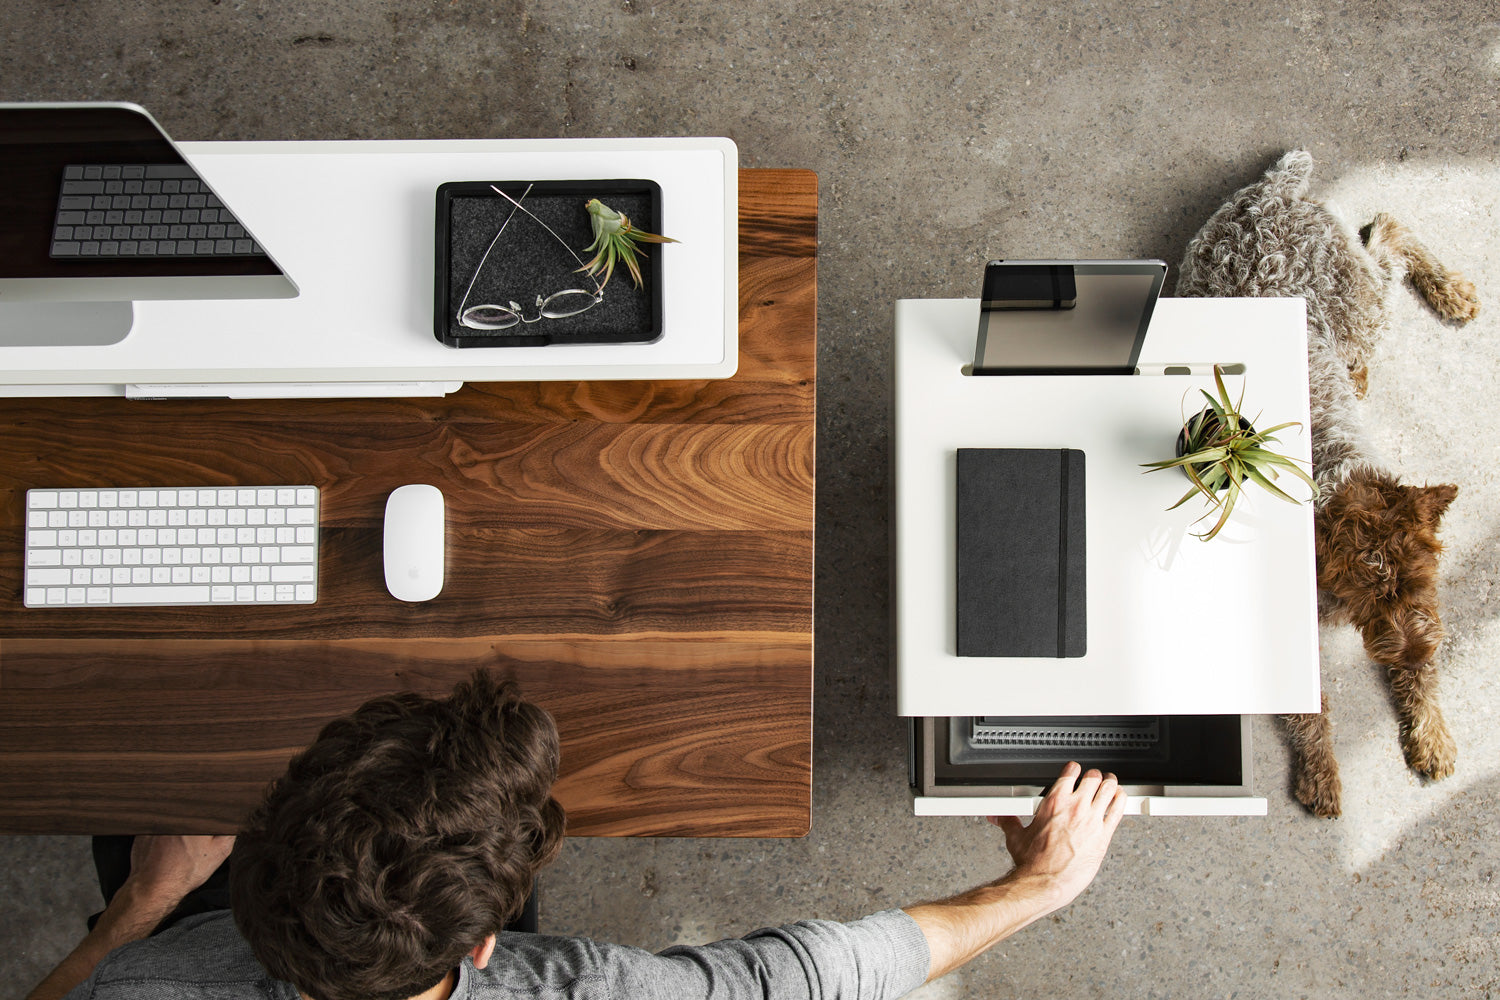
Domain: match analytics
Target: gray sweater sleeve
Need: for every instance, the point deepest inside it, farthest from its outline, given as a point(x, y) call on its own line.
point(882, 956)
point(879, 957)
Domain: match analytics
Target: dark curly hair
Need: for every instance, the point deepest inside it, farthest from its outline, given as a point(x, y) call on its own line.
point(401, 838)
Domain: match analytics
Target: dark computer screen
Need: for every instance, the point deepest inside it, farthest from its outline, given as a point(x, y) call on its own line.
point(37, 143)
point(1062, 317)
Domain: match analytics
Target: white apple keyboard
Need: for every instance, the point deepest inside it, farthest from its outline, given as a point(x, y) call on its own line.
point(171, 546)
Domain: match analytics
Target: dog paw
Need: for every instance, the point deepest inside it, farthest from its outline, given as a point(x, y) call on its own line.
point(1456, 299)
point(1431, 751)
point(1321, 792)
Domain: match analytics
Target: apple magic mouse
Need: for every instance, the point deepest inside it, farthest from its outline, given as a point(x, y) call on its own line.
point(414, 542)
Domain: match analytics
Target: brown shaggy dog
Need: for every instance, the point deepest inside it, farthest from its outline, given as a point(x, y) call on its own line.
point(1377, 544)
point(1377, 561)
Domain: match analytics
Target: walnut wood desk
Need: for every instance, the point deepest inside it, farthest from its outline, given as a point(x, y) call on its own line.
point(637, 555)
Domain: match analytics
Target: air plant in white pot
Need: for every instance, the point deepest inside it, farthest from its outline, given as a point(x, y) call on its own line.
point(1219, 450)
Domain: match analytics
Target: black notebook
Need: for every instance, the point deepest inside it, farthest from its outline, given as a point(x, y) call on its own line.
point(1021, 584)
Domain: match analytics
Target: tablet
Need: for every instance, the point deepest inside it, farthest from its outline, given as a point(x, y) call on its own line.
point(1065, 317)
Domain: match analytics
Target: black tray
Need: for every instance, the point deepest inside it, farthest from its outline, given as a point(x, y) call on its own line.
point(527, 261)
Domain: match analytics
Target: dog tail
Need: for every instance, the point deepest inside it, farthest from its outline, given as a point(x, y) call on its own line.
point(1291, 175)
point(1449, 293)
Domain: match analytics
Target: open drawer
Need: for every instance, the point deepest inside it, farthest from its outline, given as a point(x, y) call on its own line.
point(1169, 765)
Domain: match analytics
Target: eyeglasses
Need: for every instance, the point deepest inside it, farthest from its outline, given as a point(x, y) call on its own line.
point(558, 305)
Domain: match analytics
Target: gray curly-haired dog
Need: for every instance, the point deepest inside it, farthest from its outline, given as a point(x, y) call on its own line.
point(1377, 543)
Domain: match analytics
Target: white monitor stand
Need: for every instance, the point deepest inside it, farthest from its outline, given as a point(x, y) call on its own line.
point(353, 224)
point(101, 324)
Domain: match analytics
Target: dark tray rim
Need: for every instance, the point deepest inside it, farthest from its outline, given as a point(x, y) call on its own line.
point(601, 188)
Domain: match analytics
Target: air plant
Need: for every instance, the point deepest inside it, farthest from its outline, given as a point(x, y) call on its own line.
point(615, 241)
point(1219, 449)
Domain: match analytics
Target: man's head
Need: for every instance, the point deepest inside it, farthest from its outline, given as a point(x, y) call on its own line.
point(401, 838)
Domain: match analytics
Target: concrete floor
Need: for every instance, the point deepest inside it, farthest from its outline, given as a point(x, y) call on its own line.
point(946, 133)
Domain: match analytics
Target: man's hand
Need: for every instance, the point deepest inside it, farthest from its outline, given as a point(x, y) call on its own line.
point(162, 871)
point(168, 868)
point(1056, 856)
point(1066, 841)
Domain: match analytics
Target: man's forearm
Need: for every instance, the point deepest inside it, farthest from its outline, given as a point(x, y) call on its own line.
point(960, 928)
point(133, 914)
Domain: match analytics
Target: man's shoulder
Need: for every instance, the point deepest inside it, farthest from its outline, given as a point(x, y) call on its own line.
point(198, 956)
point(541, 966)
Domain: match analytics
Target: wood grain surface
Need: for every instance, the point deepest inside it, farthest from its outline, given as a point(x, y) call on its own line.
point(638, 555)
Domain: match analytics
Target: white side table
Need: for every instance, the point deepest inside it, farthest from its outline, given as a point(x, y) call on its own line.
point(1175, 625)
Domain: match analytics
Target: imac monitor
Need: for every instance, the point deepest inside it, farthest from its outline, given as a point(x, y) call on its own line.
point(1056, 317)
point(99, 208)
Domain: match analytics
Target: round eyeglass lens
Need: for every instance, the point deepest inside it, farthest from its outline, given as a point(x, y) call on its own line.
point(569, 303)
point(489, 317)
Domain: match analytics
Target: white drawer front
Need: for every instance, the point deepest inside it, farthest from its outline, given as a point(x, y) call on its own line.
point(1135, 805)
